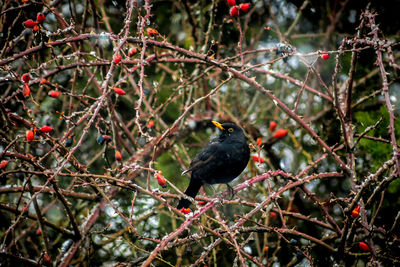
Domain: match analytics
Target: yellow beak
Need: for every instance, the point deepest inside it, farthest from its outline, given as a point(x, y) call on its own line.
point(218, 125)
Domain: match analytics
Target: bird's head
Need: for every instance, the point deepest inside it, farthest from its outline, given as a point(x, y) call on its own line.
point(229, 129)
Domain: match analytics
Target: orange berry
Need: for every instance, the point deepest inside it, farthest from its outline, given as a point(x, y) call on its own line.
point(35, 28)
point(152, 32)
point(133, 51)
point(3, 164)
point(118, 156)
point(162, 182)
point(201, 202)
point(26, 91)
point(185, 210)
point(259, 141)
point(280, 133)
point(43, 81)
point(160, 179)
point(355, 212)
point(266, 248)
point(150, 124)
point(32, 157)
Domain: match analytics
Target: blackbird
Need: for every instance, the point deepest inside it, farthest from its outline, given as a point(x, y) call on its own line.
point(220, 161)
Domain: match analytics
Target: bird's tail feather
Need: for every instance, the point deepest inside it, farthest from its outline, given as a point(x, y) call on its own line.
point(191, 191)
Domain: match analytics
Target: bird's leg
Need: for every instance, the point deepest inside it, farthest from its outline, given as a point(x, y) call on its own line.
point(231, 191)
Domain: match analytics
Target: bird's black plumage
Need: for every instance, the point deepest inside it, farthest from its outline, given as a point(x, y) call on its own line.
point(220, 161)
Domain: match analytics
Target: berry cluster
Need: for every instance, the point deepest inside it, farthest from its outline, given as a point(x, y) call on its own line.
point(34, 24)
point(27, 90)
point(236, 9)
point(277, 135)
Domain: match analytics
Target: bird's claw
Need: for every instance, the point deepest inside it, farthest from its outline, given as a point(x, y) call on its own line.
point(231, 191)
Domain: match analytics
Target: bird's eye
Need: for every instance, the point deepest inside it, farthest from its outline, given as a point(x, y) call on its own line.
point(230, 130)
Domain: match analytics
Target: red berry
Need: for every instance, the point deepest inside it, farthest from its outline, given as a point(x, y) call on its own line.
point(234, 11)
point(273, 215)
point(54, 94)
point(160, 179)
point(158, 175)
point(46, 129)
point(40, 17)
point(119, 91)
point(39, 231)
point(257, 159)
point(117, 59)
point(26, 91)
point(25, 77)
point(244, 7)
point(231, 2)
point(363, 246)
point(133, 51)
point(35, 28)
point(325, 56)
point(152, 32)
point(162, 182)
point(3, 164)
point(150, 124)
point(118, 156)
point(201, 202)
point(272, 126)
point(46, 258)
point(280, 133)
point(43, 81)
point(30, 23)
point(107, 138)
point(355, 212)
point(29, 135)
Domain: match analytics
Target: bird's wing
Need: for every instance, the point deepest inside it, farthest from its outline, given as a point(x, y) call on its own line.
point(205, 156)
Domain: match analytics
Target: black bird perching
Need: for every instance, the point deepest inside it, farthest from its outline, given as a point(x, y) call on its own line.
point(221, 160)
